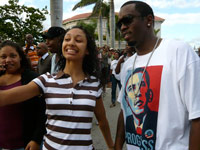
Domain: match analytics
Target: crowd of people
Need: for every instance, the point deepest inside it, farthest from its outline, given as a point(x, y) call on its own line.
point(50, 92)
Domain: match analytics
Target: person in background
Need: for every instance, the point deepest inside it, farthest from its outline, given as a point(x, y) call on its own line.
point(127, 52)
point(72, 96)
point(30, 51)
point(104, 66)
point(44, 63)
point(110, 59)
point(114, 81)
point(54, 38)
point(160, 98)
point(22, 125)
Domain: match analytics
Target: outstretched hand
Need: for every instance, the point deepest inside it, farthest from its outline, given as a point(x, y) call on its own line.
point(2, 68)
point(32, 145)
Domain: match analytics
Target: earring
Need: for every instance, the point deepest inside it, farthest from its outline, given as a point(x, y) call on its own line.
point(148, 25)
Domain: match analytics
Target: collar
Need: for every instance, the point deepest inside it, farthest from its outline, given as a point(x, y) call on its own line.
point(88, 79)
point(61, 74)
point(45, 55)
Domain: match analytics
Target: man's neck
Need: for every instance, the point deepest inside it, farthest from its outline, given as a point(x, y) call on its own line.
point(139, 121)
point(146, 46)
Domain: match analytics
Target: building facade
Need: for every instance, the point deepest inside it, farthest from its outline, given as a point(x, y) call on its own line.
point(70, 22)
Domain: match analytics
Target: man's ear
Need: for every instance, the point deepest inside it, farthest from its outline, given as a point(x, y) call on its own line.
point(150, 21)
point(149, 95)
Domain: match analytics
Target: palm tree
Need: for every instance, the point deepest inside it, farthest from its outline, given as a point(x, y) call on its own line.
point(112, 23)
point(97, 11)
point(118, 34)
point(56, 12)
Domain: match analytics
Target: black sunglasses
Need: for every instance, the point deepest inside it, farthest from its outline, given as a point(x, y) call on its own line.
point(127, 20)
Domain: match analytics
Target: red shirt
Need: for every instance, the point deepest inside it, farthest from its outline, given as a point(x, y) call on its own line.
point(32, 55)
point(11, 123)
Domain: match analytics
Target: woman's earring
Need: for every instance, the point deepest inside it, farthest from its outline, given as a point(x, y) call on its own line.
point(148, 25)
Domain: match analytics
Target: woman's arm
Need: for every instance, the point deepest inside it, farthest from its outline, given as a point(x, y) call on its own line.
point(19, 94)
point(120, 135)
point(103, 123)
point(32, 145)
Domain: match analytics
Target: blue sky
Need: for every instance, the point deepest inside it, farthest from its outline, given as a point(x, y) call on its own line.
point(181, 16)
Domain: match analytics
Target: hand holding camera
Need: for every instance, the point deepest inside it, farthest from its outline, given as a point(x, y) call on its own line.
point(2, 69)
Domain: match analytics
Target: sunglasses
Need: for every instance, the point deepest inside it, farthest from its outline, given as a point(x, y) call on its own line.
point(127, 20)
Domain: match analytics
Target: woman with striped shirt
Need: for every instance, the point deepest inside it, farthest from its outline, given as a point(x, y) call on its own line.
point(72, 96)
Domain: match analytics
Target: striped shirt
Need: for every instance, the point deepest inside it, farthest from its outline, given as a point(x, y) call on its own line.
point(69, 110)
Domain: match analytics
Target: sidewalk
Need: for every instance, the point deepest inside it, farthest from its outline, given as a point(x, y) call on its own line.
point(112, 116)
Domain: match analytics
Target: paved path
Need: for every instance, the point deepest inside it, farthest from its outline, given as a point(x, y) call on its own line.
point(112, 116)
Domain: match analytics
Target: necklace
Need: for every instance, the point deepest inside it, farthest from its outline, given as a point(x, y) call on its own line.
point(136, 93)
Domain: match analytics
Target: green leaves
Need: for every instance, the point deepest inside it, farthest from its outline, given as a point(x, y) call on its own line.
point(84, 3)
point(89, 27)
point(16, 21)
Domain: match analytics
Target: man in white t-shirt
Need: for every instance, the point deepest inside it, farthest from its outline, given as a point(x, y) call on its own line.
point(127, 52)
point(114, 80)
point(164, 95)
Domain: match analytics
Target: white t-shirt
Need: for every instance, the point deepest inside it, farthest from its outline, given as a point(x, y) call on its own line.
point(117, 76)
point(171, 86)
point(54, 67)
point(113, 65)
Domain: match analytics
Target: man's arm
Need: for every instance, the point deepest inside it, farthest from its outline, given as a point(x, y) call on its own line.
point(194, 143)
point(118, 67)
point(120, 135)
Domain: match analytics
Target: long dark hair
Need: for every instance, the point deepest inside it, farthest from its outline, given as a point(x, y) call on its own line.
point(24, 62)
point(90, 61)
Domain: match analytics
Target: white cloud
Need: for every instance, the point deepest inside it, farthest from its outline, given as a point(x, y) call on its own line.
point(163, 3)
point(22, 2)
point(47, 22)
point(195, 42)
point(187, 18)
point(3, 2)
point(174, 3)
point(68, 13)
point(71, 1)
point(29, 3)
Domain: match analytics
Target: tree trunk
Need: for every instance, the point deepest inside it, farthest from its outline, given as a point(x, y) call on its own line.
point(56, 12)
point(107, 34)
point(100, 30)
point(112, 24)
point(119, 41)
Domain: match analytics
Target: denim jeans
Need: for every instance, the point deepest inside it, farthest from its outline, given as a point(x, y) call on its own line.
point(115, 82)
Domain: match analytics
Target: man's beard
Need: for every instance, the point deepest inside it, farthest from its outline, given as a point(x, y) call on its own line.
point(132, 43)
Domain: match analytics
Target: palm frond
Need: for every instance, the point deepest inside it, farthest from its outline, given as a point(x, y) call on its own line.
point(105, 9)
point(84, 3)
point(97, 9)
